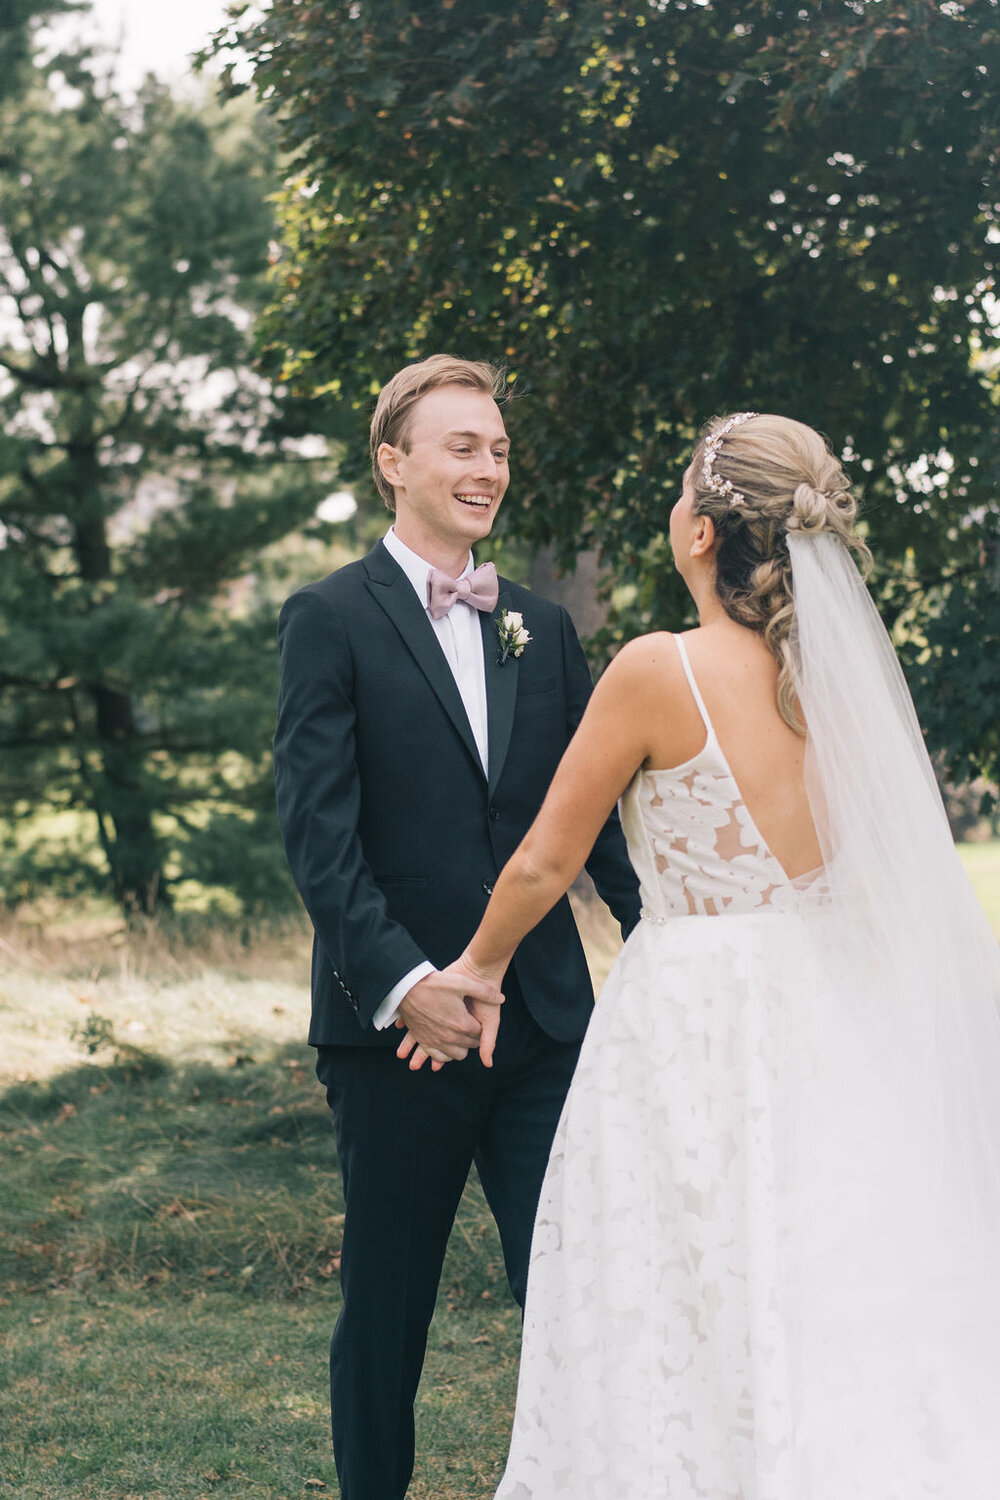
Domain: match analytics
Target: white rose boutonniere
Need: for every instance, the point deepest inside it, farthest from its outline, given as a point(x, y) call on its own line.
point(513, 636)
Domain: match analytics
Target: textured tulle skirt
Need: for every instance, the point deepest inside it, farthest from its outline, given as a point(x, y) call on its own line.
point(741, 1287)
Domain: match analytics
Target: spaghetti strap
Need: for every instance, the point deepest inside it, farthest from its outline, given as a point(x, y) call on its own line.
point(682, 651)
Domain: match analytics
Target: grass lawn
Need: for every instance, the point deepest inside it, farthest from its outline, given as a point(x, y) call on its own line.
point(982, 861)
point(170, 1236)
point(171, 1227)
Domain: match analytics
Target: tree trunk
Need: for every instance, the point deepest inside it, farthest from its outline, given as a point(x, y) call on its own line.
point(131, 846)
point(577, 592)
point(134, 852)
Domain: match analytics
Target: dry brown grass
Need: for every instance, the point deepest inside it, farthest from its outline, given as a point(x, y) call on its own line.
point(186, 990)
point(197, 989)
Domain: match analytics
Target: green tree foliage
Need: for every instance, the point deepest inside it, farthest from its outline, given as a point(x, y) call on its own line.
point(144, 468)
point(16, 19)
point(655, 210)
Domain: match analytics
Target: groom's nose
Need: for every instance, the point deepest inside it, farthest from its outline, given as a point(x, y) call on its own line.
point(488, 467)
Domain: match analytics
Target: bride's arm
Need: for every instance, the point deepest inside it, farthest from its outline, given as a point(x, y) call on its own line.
point(610, 744)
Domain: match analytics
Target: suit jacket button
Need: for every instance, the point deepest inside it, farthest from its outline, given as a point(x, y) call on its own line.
point(487, 887)
point(494, 814)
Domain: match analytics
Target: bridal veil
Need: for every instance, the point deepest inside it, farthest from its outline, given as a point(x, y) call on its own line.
point(894, 1202)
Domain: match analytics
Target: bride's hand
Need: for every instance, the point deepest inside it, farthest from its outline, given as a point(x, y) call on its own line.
point(483, 998)
point(484, 1006)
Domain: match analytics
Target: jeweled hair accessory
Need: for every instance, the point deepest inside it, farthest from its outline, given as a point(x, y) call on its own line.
point(723, 487)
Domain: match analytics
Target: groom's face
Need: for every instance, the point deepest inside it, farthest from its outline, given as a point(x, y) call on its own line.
point(452, 475)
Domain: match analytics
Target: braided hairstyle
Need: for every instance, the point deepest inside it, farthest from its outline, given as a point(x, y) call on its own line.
point(785, 479)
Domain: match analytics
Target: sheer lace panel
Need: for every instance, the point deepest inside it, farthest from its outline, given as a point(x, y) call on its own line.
point(696, 849)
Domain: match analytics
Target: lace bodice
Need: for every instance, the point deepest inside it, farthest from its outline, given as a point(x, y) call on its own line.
point(692, 841)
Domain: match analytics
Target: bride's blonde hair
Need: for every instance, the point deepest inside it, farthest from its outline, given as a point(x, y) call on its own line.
point(761, 478)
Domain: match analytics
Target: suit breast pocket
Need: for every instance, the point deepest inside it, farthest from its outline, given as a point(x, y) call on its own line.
point(528, 687)
point(401, 882)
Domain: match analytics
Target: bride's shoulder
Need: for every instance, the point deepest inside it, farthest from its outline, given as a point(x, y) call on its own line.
point(659, 648)
point(644, 699)
point(645, 661)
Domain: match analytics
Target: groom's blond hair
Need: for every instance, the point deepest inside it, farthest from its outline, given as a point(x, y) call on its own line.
point(394, 408)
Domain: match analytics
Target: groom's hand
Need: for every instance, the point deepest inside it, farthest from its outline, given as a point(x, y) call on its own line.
point(439, 1023)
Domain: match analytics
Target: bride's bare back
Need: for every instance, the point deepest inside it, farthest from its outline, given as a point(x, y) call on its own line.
point(737, 677)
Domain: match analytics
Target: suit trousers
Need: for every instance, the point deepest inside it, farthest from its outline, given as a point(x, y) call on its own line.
point(406, 1143)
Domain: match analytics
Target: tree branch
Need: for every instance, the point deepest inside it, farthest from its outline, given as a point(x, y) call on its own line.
point(33, 376)
point(39, 685)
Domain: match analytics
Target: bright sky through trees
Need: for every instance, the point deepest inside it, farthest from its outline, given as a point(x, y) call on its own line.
point(156, 38)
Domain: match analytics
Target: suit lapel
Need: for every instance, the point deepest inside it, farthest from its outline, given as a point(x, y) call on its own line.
point(391, 590)
point(501, 691)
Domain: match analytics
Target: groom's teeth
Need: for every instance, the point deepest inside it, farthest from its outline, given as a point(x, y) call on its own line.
point(482, 501)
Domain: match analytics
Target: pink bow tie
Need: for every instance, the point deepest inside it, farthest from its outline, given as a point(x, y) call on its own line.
point(478, 588)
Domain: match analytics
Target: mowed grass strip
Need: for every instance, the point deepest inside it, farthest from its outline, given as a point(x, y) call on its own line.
point(150, 1398)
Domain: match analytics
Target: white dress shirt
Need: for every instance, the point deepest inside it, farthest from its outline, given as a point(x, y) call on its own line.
point(461, 640)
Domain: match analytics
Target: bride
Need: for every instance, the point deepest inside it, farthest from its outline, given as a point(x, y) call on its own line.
point(766, 1261)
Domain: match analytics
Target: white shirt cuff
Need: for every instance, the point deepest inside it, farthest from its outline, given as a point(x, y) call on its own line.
point(386, 1013)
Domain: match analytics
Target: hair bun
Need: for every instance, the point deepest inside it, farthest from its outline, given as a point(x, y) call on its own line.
point(810, 509)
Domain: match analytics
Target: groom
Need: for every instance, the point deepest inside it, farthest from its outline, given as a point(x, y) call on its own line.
point(412, 752)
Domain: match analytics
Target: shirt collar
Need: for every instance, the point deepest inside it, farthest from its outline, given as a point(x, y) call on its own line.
point(415, 567)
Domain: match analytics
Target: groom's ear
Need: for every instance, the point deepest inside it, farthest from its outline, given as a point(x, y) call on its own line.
point(387, 457)
point(703, 537)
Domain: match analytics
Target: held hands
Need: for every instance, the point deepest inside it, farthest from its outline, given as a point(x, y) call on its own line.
point(448, 1013)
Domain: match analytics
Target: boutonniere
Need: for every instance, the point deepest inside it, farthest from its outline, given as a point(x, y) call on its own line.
point(513, 636)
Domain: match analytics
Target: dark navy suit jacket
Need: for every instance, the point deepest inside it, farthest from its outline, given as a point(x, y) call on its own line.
point(393, 833)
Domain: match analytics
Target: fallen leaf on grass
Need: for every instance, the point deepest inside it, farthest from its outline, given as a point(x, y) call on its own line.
point(179, 1210)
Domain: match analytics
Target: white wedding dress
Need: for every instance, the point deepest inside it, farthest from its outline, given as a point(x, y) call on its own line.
point(742, 1286)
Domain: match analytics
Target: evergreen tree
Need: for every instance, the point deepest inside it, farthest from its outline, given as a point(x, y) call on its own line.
point(144, 468)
